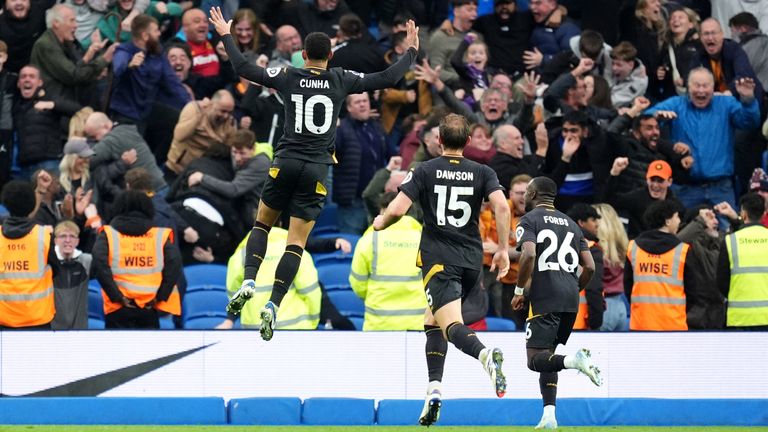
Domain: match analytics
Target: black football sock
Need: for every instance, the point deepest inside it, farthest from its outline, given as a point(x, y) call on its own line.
point(436, 348)
point(286, 272)
point(548, 387)
point(255, 249)
point(546, 361)
point(465, 339)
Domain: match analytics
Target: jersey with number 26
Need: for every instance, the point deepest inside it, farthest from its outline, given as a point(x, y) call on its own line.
point(450, 191)
point(558, 240)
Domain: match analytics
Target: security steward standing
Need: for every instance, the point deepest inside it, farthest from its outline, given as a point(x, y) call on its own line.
point(27, 262)
point(384, 274)
point(300, 309)
point(660, 273)
point(742, 274)
point(137, 265)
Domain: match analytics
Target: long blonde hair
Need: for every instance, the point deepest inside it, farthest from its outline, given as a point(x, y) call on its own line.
point(77, 122)
point(66, 166)
point(613, 238)
point(659, 26)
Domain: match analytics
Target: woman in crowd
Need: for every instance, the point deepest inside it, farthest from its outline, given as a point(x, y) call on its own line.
point(613, 240)
point(480, 149)
point(680, 48)
point(646, 32)
point(246, 29)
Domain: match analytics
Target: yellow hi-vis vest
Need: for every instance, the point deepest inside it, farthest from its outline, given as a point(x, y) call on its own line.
point(384, 274)
point(137, 268)
point(748, 295)
point(300, 308)
point(26, 279)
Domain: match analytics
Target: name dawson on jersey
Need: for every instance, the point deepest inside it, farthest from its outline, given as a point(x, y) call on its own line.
point(314, 84)
point(455, 175)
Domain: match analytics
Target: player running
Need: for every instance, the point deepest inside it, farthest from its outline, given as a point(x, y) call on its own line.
point(450, 190)
point(313, 96)
point(558, 243)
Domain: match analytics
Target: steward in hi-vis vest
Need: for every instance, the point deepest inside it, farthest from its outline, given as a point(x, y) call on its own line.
point(137, 265)
point(742, 274)
point(659, 273)
point(27, 262)
point(384, 274)
point(300, 309)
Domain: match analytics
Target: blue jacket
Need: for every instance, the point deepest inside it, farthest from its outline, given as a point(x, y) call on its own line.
point(134, 90)
point(735, 64)
point(709, 131)
point(551, 41)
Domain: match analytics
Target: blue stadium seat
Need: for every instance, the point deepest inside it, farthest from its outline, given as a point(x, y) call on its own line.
point(352, 238)
point(333, 257)
point(765, 161)
point(198, 304)
point(95, 324)
point(206, 274)
point(206, 287)
point(166, 323)
point(205, 322)
point(334, 276)
point(347, 303)
point(326, 221)
point(358, 322)
point(95, 303)
point(500, 324)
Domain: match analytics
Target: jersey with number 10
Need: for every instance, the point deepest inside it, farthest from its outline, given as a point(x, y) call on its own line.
point(450, 191)
point(558, 240)
point(313, 99)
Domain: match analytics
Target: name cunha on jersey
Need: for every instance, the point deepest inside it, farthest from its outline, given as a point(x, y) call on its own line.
point(314, 83)
point(455, 175)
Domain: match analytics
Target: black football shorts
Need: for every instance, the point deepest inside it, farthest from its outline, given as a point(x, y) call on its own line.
point(446, 283)
point(296, 186)
point(548, 330)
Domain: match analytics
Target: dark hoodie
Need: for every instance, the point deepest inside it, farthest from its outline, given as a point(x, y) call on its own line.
point(594, 290)
point(658, 242)
point(134, 224)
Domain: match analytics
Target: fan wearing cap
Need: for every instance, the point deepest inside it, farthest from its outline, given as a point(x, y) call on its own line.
point(74, 166)
point(591, 302)
point(632, 205)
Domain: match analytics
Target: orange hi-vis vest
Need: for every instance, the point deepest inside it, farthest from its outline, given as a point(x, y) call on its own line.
point(583, 312)
point(26, 279)
point(658, 296)
point(137, 268)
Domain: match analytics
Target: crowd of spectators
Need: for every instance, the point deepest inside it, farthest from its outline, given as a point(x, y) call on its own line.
point(625, 104)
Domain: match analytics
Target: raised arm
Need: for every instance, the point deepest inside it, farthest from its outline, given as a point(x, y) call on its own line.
point(249, 71)
point(391, 75)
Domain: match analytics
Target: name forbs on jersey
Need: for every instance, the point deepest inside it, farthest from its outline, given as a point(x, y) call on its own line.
point(455, 175)
point(314, 83)
point(556, 220)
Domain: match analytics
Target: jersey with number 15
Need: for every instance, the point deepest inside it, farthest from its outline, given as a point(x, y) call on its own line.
point(558, 240)
point(450, 191)
point(313, 98)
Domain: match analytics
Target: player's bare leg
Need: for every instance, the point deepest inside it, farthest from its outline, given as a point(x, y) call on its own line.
point(465, 339)
point(298, 232)
point(436, 348)
point(255, 250)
